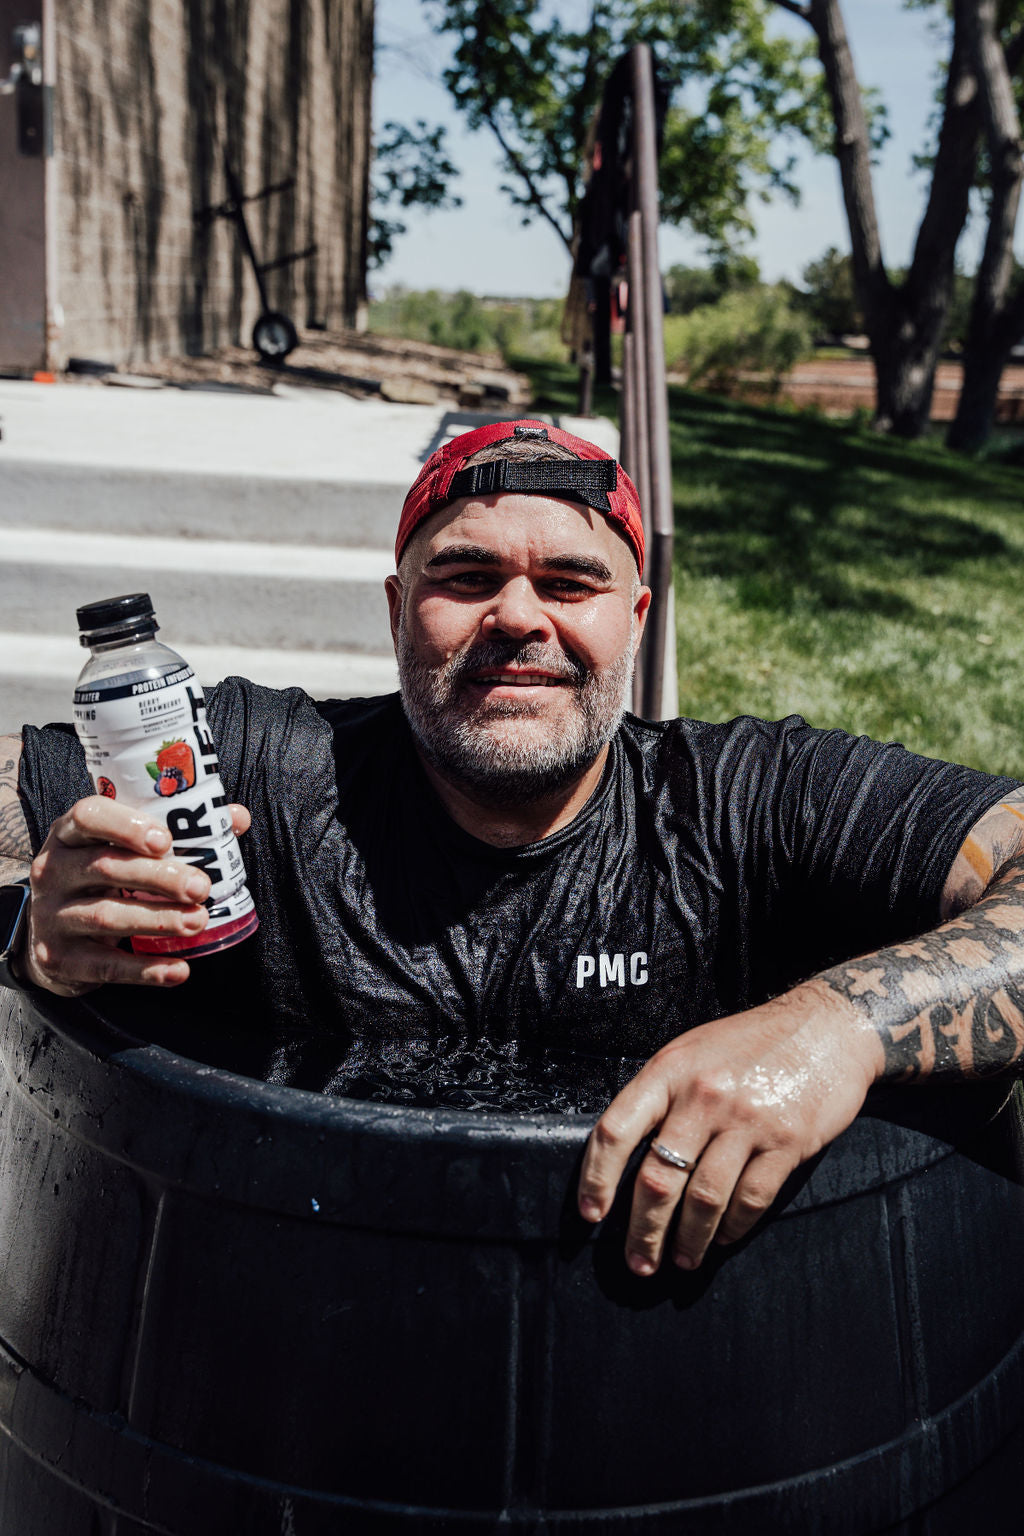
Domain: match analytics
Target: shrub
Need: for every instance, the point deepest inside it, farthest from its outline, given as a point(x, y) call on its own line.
point(687, 288)
point(757, 331)
point(523, 327)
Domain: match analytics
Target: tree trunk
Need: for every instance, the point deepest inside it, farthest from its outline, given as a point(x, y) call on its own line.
point(852, 151)
point(979, 393)
point(985, 357)
point(995, 320)
point(905, 324)
point(905, 347)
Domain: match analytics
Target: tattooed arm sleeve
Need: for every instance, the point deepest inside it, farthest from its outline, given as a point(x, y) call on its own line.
point(951, 1003)
point(15, 848)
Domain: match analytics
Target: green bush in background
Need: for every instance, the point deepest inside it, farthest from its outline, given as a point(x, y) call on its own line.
point(471, 324)
point(687, 288)
point(753, 331)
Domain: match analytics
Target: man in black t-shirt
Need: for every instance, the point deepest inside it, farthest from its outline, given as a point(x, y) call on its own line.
point(500, 855)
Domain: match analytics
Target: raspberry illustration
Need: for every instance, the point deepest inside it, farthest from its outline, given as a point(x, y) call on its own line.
point(171, 781)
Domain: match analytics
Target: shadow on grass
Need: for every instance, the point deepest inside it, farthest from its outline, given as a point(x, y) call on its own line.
point(802, 511)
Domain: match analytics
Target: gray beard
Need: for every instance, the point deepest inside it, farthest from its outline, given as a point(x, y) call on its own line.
point(502, 772)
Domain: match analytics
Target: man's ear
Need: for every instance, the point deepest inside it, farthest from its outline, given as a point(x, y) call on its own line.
point(393, 588)
point(641, 608)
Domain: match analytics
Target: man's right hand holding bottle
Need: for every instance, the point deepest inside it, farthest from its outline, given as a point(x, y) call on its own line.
point(104, 874)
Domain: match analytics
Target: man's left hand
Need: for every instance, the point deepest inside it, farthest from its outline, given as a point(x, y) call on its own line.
point(745, 1100)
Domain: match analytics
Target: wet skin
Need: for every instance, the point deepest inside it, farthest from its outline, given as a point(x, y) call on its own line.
point(104, 873)
point(747, 1098)
point(519, 570)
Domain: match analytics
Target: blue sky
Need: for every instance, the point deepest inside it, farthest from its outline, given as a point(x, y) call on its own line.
point(483, 247)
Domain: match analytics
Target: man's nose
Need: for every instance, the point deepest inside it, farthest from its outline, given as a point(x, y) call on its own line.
point(517, 611)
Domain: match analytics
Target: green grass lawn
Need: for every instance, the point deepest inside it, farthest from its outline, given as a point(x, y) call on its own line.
point(857, 581)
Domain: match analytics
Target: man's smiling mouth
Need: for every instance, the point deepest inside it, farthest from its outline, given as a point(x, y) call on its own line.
point(521, 679)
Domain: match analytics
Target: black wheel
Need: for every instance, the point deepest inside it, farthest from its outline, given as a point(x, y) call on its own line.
point(274, 336)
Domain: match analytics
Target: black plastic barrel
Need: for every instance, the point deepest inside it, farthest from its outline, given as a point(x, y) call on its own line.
point(234, 1309)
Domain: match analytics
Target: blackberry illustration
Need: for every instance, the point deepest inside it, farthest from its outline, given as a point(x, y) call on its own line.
point(171, 781)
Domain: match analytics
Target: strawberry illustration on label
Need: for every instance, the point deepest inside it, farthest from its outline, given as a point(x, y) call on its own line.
point(174, 769)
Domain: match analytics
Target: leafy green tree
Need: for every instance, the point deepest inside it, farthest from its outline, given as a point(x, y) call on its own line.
point(905, 321)
point(831, 295)
point(739, 97)
point(529, 327)
point(411, 169)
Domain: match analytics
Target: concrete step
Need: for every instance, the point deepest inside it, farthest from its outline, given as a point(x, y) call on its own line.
point(297, 436)
point(304, 466)
point(291, 435)
point(209, 591)
point(186, 504)
point(308, 466)
point(38, 672)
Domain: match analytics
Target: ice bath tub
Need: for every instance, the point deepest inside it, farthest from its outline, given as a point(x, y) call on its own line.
point(232, 1308)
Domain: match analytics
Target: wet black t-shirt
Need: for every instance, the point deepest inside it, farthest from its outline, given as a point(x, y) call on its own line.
point(715, 866)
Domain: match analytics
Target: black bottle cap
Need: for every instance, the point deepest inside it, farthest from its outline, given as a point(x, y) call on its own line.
point(114, 616)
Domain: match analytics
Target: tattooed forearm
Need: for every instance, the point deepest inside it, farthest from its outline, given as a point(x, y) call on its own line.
point(14, 838)
point(14, 833)
point(952, 1002)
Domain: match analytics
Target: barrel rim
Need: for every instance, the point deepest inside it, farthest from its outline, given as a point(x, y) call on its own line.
point(355, 1162)
point(82, 1025)
point(112, 1042)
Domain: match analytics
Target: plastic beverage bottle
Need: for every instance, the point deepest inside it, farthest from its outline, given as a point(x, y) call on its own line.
point(141, 719)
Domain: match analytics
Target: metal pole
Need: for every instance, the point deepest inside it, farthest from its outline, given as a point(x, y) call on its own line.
point(641, 471)
point(628, 439)
point(54, 312)
point(638, 302)
point(237, 197)
point(661, 512)
point(585, 400)
point(627, 420)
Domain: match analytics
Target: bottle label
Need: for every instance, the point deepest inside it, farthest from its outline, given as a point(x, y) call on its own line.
point(147, 742)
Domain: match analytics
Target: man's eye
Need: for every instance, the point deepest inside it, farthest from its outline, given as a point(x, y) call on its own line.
point(469, 581)
point(564, 588)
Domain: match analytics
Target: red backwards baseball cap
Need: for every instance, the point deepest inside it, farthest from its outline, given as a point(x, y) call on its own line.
point(593, 478)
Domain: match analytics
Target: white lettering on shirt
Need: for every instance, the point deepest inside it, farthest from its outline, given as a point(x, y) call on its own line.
point(586, 965)
point(612, 968)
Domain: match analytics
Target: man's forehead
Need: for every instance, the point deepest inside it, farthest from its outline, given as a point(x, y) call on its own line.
point(527, 527)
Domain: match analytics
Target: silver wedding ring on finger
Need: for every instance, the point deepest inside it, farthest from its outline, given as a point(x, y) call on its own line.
point(668, 1156)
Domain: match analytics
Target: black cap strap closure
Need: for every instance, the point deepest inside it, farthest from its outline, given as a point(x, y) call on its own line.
point(584, 480)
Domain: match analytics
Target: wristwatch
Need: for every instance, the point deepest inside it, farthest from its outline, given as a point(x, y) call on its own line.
point(13, 915)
